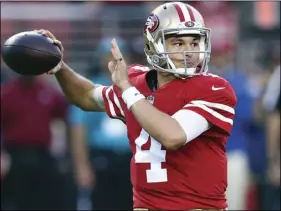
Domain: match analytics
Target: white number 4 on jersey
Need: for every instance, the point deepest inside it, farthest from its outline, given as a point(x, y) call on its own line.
point(155, 156)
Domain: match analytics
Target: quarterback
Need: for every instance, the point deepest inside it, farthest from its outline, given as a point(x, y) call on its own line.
point(178, 116)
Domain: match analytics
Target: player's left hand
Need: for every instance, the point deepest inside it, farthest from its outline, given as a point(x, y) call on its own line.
point(118, 68)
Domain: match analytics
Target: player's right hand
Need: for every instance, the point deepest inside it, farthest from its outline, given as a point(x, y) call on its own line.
point(56, 42)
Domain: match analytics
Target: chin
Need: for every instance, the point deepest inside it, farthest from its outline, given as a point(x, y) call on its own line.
point(166, 73)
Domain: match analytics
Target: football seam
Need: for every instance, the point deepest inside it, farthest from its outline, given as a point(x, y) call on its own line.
point(22, 46)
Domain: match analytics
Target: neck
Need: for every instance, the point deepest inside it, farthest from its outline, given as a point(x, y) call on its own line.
point(164, 78)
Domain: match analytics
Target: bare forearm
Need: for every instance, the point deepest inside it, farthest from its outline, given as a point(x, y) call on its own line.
point(76, 88)
point(159, 125)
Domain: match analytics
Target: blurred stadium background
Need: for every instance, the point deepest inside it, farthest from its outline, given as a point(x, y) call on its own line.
point(245, 50)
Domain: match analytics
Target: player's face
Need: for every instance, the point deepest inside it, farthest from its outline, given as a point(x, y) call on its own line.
point(183, 43)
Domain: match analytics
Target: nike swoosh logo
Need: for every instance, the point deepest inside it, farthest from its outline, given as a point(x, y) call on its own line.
point(217, 88)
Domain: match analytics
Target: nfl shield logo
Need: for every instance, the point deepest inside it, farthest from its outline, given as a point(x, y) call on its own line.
point(150, 99)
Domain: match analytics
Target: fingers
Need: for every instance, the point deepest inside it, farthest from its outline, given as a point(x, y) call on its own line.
point(117, 55)
point(47, 33)
point(111, 66)
point(59, 44)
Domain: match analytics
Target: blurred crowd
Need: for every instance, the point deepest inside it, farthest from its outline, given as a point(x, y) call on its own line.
point(56, 156)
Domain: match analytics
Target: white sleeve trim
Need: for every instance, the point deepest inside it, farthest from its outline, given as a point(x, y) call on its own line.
point(192, 123)
point(98, 96)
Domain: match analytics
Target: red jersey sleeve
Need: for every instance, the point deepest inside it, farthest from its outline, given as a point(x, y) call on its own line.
point(217, 108)
point(113, 102)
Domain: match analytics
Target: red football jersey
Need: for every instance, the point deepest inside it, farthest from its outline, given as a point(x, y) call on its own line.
point(194, 176)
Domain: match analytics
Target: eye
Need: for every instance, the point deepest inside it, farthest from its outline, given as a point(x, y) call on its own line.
point(177, 44)
point(194, 45)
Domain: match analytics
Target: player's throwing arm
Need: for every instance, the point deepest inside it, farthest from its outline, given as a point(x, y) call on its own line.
point(78, 90)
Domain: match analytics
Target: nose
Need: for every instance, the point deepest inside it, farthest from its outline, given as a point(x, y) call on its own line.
point(188, 54)
point(187, 51)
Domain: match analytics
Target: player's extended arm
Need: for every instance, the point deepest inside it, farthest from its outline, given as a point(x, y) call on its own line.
point(78, 90)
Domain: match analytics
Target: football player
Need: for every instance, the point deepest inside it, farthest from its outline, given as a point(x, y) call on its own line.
point(178, 116)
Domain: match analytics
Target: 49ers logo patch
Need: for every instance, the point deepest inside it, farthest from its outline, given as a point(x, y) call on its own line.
point(189, 24)
point(152, 23)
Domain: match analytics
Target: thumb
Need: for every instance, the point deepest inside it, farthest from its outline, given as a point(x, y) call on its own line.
point(111, 66)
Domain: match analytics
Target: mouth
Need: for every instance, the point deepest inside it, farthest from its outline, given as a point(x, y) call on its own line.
point(189, 64)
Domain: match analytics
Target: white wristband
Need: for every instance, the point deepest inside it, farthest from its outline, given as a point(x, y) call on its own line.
point(131, 96)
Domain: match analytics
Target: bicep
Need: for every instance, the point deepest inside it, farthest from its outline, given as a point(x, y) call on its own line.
point(93, 100)
point(192, 123)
